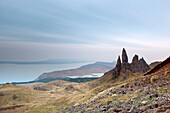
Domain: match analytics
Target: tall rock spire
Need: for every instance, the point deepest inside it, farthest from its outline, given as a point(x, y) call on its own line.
point(124, 56)
point(117, 69)
point(118, 62)
point(125, 69)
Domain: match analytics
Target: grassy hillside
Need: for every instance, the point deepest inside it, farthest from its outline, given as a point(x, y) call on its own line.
point(136, 93)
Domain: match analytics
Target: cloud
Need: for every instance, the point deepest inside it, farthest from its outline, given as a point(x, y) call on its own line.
point(146, 42)
point(83, 29)
point(31, 50)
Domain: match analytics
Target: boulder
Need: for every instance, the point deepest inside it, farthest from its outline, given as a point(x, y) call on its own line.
point(1, 94)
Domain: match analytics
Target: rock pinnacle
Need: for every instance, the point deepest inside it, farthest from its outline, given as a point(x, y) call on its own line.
point(124, 56)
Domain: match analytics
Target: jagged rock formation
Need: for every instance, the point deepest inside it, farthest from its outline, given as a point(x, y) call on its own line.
point(139, 66)
point(124, 56)
point(125, 68)
point(117, 69)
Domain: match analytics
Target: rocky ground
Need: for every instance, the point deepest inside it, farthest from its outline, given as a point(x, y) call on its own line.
point(141, 95)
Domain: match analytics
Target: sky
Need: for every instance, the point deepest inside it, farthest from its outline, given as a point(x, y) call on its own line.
point(90, 30)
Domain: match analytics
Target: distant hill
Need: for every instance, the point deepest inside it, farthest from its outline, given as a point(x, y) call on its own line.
point(153, 64)
point(98, 67)
point(46, 80)
point(160, 69)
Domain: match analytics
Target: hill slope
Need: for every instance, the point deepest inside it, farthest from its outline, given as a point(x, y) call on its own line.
point(98, 67)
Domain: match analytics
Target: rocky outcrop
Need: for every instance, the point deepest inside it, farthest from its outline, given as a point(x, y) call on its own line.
point(117, 69)
point(2, 94)
point(139, 66)
point(124, 56)
point(135, 59)
point(125, 68)
point(40, 88)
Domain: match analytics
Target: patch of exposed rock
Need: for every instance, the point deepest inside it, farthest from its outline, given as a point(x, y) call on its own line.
point(137, 65)
point(69, 87)
point(40, 88)
point(2, 94)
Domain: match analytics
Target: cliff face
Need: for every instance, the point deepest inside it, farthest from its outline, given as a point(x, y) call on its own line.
point(122, 68)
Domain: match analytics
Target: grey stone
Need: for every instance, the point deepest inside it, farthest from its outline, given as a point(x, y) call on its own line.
point(124, 56)
point(135, 59)
point(124, 68)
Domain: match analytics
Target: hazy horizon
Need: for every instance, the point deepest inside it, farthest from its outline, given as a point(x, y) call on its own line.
point(24, 73)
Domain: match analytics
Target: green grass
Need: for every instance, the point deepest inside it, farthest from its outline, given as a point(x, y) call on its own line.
point(46, 109)
point(154, 79)
point(126, 97)
point(16, 97)
point(162, 90)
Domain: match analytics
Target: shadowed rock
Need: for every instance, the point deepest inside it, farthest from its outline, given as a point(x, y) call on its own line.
point(118, 65)
point(1, 94)
point(124, 56)
point(144, 67)
point(117, 69)
point(139, 66)
point(125, 68)
point(69, 87)
point(135, 59)
point(40, 88)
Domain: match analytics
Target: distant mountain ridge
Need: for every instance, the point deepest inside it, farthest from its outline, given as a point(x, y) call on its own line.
point(98, 67)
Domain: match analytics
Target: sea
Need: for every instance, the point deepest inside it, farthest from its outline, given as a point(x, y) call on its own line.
point(28, 72)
